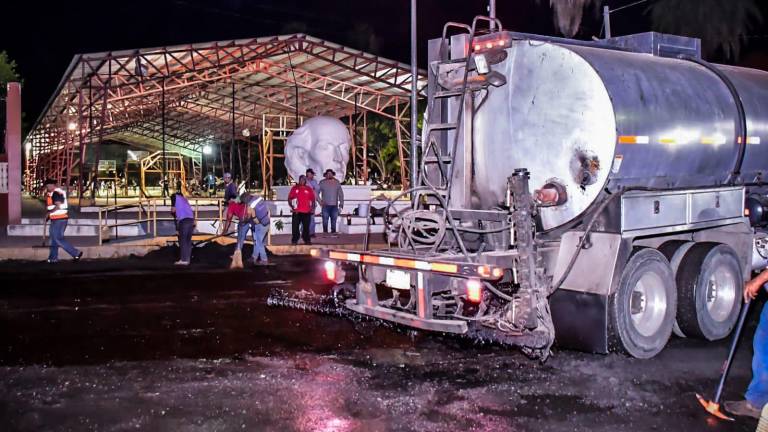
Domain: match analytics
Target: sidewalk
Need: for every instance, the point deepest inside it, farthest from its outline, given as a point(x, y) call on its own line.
point(32, 249)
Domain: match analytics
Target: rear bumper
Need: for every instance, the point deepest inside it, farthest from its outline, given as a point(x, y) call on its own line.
point(407, 319)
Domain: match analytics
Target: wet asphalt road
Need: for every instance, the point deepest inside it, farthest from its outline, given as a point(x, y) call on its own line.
point(132, 344)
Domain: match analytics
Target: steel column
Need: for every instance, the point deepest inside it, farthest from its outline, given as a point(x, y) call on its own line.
point(13, 151)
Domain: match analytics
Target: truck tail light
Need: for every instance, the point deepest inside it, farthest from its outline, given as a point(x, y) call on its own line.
point(334, 273)
point(474, 290)
point(330, 271)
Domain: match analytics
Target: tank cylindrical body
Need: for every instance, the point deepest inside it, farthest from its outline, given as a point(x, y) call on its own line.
point(590, 118)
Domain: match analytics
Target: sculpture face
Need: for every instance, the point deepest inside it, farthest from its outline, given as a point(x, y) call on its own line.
point(320, 143)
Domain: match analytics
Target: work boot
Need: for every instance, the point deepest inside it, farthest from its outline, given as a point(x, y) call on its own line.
point(78, 257)
point(742, 409)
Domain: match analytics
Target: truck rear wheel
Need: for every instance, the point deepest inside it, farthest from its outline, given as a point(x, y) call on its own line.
point(675, 250)
point(642, 310)
point(709, 282)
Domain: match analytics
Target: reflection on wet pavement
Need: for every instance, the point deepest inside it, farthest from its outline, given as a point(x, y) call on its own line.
point(140, 346)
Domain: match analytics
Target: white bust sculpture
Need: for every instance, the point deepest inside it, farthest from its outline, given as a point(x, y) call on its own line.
point(321, 143)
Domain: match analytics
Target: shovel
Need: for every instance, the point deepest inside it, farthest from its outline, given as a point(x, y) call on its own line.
point(713, 406)
point(45, 231)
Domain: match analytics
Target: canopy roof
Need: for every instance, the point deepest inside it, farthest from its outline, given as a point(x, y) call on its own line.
point(128, 96)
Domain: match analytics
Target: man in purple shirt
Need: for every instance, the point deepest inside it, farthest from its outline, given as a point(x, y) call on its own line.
point(185, 226)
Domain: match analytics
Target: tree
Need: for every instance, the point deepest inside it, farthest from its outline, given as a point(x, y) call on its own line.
point(722, 26)
point(383, 154)
point(7, 71)
point(568, 14)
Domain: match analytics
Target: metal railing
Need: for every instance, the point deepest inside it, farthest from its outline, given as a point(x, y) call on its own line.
point(147, 213)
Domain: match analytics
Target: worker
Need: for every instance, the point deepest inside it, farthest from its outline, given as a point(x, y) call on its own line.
point(210, 184)
point(756, 396)
point(311, 182)
point(331, 199)
point(56, 206)
point(233, 207)
point(256, 218)
point(301, 199)
point(185, 226)
point(230, 189)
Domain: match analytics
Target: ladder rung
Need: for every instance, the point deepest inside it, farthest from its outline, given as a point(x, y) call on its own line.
point(433, 159)
point(447, 93)
point(441, 126)
point(452, 61)
point(443, 192)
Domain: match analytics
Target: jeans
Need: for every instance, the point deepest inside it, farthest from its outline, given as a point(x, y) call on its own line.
point(259, 233)
point(56, 233)
point(757, 392)
point(300, 220)
point(332, 213)
point(312, 223)
point(185, 228)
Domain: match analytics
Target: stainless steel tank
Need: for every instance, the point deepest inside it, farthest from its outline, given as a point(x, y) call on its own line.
point(590, 118)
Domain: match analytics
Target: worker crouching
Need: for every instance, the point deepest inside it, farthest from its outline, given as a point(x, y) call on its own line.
point(256, 219)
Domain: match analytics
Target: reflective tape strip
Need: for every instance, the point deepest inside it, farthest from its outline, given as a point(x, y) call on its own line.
point(422, 265)
point(634, 139)
point(404, 263)
point(667, 140)
point(386, 261)
point(395, 262)
point(714, 139)
point(750, 140)
point(445, 268)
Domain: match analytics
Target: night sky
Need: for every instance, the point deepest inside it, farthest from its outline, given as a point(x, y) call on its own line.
point(51, 34)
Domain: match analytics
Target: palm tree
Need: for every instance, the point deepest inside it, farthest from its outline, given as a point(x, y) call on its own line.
point(722, 26)
point(568, 14)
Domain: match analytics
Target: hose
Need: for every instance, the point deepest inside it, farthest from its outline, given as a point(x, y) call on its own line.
point(591, 225)
point(583, 240)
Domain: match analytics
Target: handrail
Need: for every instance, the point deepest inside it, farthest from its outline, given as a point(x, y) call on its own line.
point(147, 212)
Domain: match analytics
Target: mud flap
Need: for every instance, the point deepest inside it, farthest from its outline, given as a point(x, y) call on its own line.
point(581, 320)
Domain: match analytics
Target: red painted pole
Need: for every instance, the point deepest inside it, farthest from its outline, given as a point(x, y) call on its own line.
point(13, 151)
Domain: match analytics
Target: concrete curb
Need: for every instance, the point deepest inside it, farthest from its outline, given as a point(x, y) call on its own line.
point(141, 248)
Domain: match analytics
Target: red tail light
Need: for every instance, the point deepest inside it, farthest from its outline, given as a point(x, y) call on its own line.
point(330, 271)
point(474, 290)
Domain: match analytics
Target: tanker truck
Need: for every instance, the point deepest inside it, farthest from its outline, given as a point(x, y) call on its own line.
point(599, 194)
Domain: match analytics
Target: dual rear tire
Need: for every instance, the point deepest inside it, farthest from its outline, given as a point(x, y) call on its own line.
point(694, 288)
point(709, 282)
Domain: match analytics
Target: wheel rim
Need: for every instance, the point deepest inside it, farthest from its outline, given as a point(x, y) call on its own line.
point(720, 293)
point(648, 304)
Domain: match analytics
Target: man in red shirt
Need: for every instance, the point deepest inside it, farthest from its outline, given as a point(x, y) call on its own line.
point(301, 198)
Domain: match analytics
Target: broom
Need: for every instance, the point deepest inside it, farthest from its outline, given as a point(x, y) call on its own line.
point(237, 257)
point(237, 260)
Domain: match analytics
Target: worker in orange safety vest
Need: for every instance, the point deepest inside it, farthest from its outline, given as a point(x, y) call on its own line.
point(56, 205)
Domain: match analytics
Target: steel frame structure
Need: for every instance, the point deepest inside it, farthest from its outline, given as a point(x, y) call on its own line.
point(158, 163)
point(181, 98)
